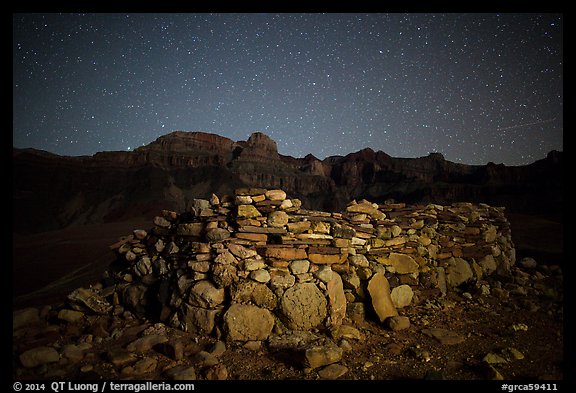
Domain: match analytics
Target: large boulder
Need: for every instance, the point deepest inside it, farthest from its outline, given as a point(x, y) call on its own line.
point(245, 322)
point(303, 306)
point(458, 272)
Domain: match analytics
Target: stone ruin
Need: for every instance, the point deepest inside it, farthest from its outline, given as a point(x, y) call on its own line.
point(256, 264)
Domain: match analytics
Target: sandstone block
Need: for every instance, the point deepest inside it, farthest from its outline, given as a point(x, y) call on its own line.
point(327, 259)
point(299, 226)
point(402, 263)
point(288, 253)
point(275, 195)
point(240, 251)
point(248, 211)
point(379, 290)
point(336, 300)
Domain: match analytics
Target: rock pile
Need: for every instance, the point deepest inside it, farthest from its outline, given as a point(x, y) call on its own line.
point(257, 263)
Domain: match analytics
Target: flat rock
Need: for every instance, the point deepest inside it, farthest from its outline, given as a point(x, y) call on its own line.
point(225, 258)
point(121, 357)
point(145, 366)
point(327, 259)
point(25, 317)
point(182, 373)
point(243, 200)
point(333, 371)
point(318, 355)
point(144, 344)
point(275, 195)
point(75, 353)
point(252, 264)
point(241, 251)
point(367, 208)
point(291, 341)
point(38, 356)
point(205, 359)
point(161, 222)
point(91, 300)
point(398, 323)
point(379, 290)
point(402, 263)
point(287, 253)
point(70, 315)
point(281, 279)
point(358, 260)
point(493, 358)
point(299, 227)
point(346, 332)
point(444, 336)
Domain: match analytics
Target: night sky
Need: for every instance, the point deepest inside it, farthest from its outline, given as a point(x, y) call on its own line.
point(474, 87)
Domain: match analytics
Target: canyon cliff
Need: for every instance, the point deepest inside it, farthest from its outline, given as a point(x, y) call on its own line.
point(52, 192)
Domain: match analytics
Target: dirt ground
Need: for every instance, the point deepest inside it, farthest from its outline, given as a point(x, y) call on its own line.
point(48, 266)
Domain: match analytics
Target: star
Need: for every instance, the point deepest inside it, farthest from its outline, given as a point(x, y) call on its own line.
point(405, 84)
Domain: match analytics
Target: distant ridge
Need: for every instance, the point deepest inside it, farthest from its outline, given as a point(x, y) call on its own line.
point(52, 191)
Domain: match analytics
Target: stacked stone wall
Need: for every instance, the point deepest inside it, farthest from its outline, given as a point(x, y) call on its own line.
point(256, 262)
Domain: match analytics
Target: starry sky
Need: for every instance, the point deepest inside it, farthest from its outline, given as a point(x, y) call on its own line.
point(477, 88)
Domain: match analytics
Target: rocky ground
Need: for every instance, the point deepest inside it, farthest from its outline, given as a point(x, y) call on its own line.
point(513, 331)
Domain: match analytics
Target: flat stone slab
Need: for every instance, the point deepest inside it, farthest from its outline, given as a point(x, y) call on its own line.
point(444, 336)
